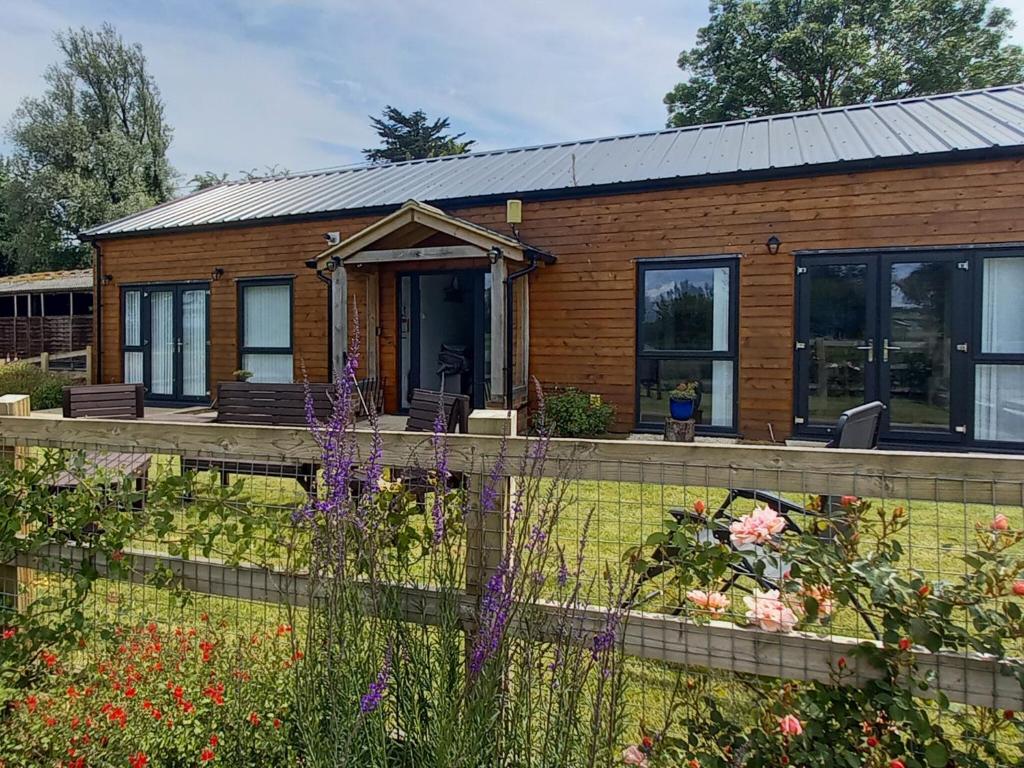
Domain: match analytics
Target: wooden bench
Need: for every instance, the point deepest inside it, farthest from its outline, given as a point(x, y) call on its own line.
point(423, 410)
point(106, 401)
point(280, 405)
point(424, 406)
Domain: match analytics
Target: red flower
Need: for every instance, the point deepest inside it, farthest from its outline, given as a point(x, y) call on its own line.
point(157, 714)
point(215, 692)
point(254, 719)
point(277, 723)
point(1008, 714)
point(50, 722)
point(849, 501)
point(905, 644)
point(138, 760)
point(9, 633)
point(31, 703)
point(214, 741)
point(699, 507)
point(896, 764)
point(118, 715)
point(1018, 588)
point(872, 742)
point(841, 663)
point(283, 629)
point(50, 659)
point(129, 692)
point(924, 591)
point(206, 755)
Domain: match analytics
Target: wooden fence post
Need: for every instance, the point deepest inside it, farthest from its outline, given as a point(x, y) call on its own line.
point(485, 531)
point(44, 362)
point(14, 582)
point(88, 364)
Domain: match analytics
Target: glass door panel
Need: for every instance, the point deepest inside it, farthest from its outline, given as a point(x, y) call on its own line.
point(193, 343)
point(916, 345)
point(162, 343)
point(839, 346)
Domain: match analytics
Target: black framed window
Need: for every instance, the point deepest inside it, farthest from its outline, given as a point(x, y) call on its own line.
point(265, 329)
point(999, 359)
point(687, 311)
point(133, 339)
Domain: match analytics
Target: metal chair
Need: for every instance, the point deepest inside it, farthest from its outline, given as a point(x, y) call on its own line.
point(857, 428)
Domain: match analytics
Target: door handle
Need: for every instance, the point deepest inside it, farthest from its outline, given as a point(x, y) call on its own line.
point(886, 349)
point(870, 349)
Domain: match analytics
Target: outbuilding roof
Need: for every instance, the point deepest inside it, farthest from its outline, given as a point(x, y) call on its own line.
point(47, 282)
point(927, 129)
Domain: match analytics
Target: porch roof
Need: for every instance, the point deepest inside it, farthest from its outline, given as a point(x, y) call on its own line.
point(414, 223)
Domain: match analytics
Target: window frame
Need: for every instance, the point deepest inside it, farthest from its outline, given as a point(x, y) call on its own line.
point(978, 357)
point(143, 344)
point(248, 282)
point(664, 263)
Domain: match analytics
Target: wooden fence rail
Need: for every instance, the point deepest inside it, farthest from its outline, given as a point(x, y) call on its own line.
point(934, 477)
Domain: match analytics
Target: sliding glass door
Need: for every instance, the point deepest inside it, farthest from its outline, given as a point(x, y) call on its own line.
point(165, 335)
point(936, 335)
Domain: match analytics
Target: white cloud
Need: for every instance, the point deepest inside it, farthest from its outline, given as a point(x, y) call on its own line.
point(252, 83)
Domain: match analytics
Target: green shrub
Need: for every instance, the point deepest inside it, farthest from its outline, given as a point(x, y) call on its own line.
point(571, 412)
point(45, 389)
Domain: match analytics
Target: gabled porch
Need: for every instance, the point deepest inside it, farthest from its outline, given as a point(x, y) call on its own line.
point(434, 302)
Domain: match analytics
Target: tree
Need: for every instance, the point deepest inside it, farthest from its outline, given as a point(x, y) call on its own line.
point(761, 57)
point(413, 136)
point(92, 148)
point(6, 249)
point(207, 179)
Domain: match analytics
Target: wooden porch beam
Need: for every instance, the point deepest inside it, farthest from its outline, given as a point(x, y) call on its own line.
point(339, 319)
point(386, 255)
point(499, 271)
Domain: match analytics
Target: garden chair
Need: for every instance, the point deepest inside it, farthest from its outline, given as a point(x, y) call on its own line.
point(857, 428)
point(106, 401)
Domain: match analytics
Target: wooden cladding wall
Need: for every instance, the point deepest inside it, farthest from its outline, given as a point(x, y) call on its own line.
point(582, 309)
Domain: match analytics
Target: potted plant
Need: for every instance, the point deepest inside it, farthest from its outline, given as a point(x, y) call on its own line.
point(684, 400)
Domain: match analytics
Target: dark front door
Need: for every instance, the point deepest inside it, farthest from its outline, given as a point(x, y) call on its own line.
point(442, 322)
point(889, 327)
point(166, 335)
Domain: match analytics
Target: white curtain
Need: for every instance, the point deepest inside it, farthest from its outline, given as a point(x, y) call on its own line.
point(999, 389)
point(267, 324)
point(133, 336)
point(132, 318)
point(193, 343)
point(268, 368)
point(1002, 307)
point(133, 367)
point(267, 316)
point(721, 370)
point(161, 335)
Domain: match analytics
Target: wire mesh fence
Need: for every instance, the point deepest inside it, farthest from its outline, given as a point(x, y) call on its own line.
point(736, 580)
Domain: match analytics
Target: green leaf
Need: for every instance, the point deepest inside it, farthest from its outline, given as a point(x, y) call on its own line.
point(936, 754)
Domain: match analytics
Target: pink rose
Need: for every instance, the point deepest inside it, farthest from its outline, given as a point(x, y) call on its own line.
point(1000, 523)
point(757, 528)
point(714, 603)
point(769, 612)
point(822, 595)
point(632, 755)
point(790, 726)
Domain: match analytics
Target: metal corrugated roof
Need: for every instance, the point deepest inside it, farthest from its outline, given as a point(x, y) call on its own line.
point(932, 127)
point(45, 282)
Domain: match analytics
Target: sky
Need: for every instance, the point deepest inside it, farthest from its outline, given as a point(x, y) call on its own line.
point(253, 84)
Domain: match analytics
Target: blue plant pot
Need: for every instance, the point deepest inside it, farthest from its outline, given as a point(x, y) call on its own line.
point(681, 410)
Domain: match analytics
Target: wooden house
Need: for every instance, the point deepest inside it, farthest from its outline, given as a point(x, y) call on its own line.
point(793, 265)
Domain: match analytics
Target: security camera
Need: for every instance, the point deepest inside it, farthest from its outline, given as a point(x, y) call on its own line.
point(332, 238)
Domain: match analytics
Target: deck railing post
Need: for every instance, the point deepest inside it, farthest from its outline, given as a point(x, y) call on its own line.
point(44, 362)
point(88, 364)
point(14, 582)
point(485, 529)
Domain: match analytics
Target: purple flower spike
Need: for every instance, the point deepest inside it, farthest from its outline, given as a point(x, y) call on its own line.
point(372, 698)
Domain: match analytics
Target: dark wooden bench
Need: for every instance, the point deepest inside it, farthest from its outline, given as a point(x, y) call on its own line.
point(369, 394)
point(424, 405)
point(105, 401)
point(423, 410)
point(279, 405)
